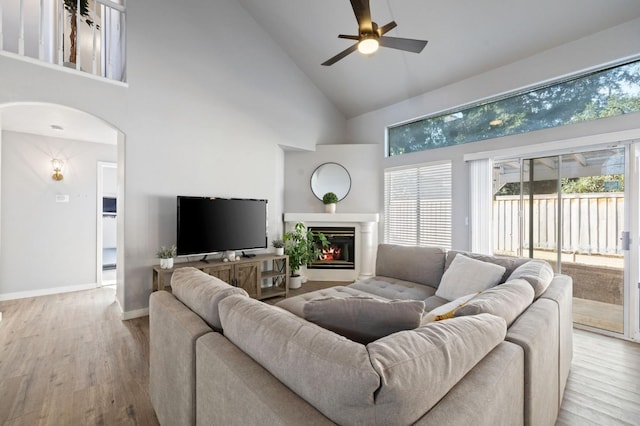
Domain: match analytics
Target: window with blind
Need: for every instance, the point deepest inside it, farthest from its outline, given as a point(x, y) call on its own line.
point(417, 205)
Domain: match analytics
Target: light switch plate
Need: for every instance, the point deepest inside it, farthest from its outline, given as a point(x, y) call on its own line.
point(62, 198)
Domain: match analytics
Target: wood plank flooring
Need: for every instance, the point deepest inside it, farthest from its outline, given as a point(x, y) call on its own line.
point(68, 359)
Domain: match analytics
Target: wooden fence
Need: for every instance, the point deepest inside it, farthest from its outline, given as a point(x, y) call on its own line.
point(592, 223)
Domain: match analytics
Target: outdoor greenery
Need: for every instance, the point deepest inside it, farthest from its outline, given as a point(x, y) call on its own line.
point(601, 94)
point(588, 184)
point(303, 246)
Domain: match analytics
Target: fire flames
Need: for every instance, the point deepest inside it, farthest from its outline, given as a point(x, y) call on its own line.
point(331, 253)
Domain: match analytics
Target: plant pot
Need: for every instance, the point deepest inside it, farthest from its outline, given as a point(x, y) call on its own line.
point(330, 208)
point(166, 263)
point(279, 251)
point(295, 281)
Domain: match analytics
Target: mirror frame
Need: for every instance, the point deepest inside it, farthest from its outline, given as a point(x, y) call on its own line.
point(316, 189)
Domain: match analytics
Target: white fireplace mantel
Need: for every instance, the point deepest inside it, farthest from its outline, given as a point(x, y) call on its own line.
point(331, 217)
point(366, 241)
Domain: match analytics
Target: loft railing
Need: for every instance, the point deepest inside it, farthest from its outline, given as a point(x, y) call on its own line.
point(86, 35)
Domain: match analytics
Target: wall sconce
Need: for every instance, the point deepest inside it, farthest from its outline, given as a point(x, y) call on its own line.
point(57, 169)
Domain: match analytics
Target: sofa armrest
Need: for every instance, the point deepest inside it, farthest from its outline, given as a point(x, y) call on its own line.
point(234, 389)
point(536, 331)
point(173, 331)
point(560, 290)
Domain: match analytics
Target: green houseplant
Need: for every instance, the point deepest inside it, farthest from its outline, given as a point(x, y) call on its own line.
point(330, 200)
point(166, 255)
point(278, 244)
point(71, 6)
point(303, 247)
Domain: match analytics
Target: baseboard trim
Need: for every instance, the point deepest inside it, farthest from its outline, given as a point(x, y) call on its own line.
point(135, 314)
point(46, 291)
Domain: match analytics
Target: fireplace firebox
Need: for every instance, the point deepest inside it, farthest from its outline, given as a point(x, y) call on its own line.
point(340, 253)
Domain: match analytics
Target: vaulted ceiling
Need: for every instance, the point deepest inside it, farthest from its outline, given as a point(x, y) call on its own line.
point(466, 38)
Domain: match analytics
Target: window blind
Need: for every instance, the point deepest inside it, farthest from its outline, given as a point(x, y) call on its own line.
point(417, 205)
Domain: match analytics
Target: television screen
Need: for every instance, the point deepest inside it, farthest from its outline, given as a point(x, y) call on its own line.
point(209, 225)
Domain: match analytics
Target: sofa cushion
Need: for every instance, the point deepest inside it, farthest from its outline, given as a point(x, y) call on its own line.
point(506, 301)
point(327, 370)
point(422, 265)
point(537, 272)
point(295, 304)
point(393, 288)
point(433, 302)
point(418, 367)
point(446, 311)
point(466, 275)
point(202, 293)
point(364, 319)
point(510, 263)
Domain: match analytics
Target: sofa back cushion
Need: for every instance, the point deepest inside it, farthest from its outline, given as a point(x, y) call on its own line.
point(423, 265)
point(329, 371)
point(364, 319)
point(537, 272)
point(202, 293)
point(418, 367)
point(509, 263)
point(506, 301)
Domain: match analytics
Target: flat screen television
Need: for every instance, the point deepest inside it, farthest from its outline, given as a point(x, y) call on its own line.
point(210, 225)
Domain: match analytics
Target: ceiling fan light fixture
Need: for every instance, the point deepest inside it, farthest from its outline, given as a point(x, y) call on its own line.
point(368, 45)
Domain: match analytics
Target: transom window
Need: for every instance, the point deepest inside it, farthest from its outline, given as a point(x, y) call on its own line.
point(607, 93)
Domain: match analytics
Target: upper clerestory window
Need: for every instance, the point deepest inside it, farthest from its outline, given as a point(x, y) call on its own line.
point(606, 93)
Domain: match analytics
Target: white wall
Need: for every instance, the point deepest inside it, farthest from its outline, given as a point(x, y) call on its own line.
point(602, 48)
point(363, 162)
point(209, 103)
point(48, 245)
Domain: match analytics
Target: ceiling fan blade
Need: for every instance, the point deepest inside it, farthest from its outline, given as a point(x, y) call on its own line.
point(363, 15)
point(340, 55)
point(385, 28)
point(349, 37)
point(407, 44)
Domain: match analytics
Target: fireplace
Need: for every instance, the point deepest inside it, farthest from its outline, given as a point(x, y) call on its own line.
point(340, 253)
point(363, 253)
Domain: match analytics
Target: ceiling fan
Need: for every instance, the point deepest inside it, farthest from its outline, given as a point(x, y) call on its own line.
point(370, 36)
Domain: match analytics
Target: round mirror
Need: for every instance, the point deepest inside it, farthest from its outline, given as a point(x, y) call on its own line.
point(330, 177)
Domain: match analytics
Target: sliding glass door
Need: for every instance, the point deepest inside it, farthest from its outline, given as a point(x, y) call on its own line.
point(570, 210)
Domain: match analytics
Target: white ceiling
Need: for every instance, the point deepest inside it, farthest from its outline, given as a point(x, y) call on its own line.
point(38, 119)
point(466, 38)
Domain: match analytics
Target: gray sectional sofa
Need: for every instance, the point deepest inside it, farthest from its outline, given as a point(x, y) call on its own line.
point(499, 356)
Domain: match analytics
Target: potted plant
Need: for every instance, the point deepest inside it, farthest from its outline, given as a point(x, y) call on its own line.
point(166, 255)
point(301, 245)
point(329, 200)
point(76, 8)
point(278, 244)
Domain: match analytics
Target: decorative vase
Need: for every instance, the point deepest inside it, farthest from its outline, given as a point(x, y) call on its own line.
point(279, 251)
point(330, 208)
point(295, 281)
point(166, 263)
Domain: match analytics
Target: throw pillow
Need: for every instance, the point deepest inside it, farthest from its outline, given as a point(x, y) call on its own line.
point(447, 310)
point(364, 319)
point(506, 301)
point(466, 276)
point(537, 272)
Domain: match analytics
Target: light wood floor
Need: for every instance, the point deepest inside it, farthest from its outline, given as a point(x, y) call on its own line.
point(69, 360)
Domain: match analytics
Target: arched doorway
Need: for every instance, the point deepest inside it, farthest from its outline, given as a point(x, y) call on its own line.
point(48, 227)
